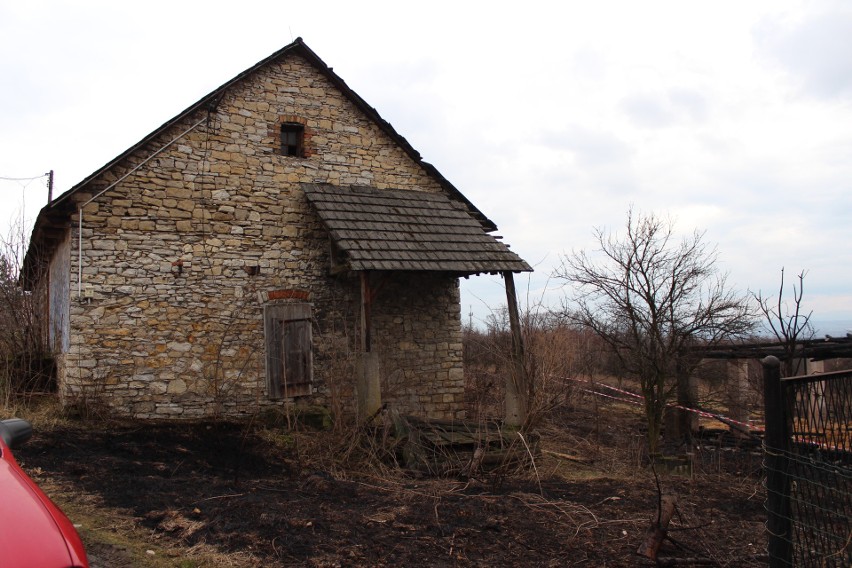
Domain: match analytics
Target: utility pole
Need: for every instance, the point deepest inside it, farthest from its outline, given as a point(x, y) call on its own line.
point(49, 187)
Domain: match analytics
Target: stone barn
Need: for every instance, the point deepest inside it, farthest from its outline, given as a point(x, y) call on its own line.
point(275, 243)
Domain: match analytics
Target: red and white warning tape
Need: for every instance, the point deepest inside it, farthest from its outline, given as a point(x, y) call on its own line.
point(640, 398)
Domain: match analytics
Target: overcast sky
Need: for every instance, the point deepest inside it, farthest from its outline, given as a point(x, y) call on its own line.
point(553, 117)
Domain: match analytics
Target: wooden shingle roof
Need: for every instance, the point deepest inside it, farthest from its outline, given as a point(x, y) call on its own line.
point(394, 229)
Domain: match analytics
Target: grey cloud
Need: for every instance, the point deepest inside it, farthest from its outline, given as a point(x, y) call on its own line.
point(591, 148)
point(648, 111)
point(817, 51)
point(589, 63)
point(690, 101)
point(665, 109)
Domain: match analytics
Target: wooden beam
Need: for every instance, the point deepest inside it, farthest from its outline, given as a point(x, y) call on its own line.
point(366, 308)
point(368, 382)
point(518, 388)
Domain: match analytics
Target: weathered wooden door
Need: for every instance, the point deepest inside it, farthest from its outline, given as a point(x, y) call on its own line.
point(289, 356)
point(296, 346)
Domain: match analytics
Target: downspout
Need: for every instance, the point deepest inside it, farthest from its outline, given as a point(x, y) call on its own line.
point(110, 186)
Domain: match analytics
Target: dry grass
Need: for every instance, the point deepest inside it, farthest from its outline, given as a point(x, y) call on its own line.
point(114, 538)
point(587, 485)
point(42, 411)
point(583, 440)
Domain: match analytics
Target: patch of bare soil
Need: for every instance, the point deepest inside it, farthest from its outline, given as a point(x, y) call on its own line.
point(251, 494)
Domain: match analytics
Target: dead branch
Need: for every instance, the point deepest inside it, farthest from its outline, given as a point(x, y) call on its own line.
point(566, 457)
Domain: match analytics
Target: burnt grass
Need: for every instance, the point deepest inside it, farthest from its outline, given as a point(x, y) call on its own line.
point(234, 487)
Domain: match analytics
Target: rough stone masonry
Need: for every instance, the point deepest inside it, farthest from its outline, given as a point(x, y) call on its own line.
point(158, 302)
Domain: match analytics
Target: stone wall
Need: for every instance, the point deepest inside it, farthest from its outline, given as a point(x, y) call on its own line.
point(179, 257)
point(418, 335)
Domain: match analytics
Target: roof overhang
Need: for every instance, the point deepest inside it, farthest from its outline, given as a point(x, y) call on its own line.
point(406, 230)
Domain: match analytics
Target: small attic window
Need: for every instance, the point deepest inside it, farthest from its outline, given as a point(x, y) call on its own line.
point(293, 139)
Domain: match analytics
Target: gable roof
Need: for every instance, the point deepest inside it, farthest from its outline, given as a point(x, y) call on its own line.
point(53, 219)
point(298, 47)
point(407, 230)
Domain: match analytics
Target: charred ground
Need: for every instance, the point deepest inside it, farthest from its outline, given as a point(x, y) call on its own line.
point(260, 494)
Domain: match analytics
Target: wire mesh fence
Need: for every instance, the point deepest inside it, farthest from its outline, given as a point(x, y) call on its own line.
point(808, 464)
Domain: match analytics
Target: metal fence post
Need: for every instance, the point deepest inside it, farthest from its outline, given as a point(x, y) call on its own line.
point(775, 447)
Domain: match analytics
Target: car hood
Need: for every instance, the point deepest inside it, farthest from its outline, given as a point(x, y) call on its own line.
point(31, 533)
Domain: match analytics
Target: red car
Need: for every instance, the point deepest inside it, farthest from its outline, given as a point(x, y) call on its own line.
point(34, 533)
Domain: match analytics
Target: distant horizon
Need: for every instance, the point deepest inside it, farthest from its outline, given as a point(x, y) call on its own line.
point(833, 327)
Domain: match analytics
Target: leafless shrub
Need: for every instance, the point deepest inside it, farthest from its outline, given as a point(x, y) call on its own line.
point(25, 365)
point(337, 360)
point(87, 399)
point(556, 351)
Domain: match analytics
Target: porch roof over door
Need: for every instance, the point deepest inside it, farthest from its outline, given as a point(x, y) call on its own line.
point(394, 229)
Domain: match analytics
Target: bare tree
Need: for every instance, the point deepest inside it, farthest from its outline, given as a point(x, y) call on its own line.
point(788, 323)
point(652, 298)
point(24, 364)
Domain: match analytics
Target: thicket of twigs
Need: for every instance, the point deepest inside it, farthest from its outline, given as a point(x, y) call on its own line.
point(25, 366)
point(556, 351)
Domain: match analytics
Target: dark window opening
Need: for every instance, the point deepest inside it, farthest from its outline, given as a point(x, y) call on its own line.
point(292, 139)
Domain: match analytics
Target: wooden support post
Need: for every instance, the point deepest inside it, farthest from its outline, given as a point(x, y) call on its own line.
point(518, 388)
point(366, 306)
point(738, 388)
point(681, 424)
point(368, 384)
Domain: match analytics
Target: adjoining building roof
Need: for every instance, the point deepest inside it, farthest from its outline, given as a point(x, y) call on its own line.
point(394, 229)
point(828, 347)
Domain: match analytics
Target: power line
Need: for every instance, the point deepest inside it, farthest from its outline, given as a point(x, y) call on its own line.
point(4, 178)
